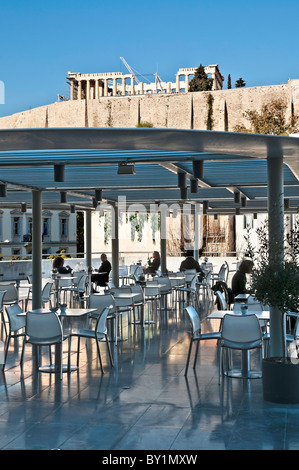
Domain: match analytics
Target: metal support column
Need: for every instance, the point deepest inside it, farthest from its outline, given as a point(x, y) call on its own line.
point(115, 247)
point(276, 240)
point(36, 249)
point(87, 225)
point(163, 239)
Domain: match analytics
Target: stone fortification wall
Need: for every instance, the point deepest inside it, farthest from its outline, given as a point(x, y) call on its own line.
point(178, 110)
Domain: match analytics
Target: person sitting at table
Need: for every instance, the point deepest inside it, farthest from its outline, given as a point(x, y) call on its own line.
point(105, 268)
point(58, 264)
point(239, 278)
point(153, 263)
point(191, 263)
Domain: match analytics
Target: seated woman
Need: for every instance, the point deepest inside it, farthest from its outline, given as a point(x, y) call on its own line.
point(239, 278)
point(58, 264)
point(153, 263)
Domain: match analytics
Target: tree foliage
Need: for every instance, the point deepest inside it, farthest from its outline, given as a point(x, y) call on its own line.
point(229, 82)
point(273, 282)
point(240, 83)
point(270, 120)
point(200, 82)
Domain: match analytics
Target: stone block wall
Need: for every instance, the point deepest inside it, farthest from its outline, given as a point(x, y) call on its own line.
point(174, 111)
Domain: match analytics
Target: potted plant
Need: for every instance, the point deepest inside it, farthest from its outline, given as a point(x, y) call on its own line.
point(275, 283)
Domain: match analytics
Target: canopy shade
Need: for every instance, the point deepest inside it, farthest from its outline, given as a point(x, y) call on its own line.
point(232, 162)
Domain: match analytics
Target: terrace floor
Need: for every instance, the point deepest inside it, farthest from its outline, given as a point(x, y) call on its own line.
point(144, 402)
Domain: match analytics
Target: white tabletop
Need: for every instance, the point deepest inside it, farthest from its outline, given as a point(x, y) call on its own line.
point(219, 314)
point(125, 295)
point(242, 296)
point(70, 312)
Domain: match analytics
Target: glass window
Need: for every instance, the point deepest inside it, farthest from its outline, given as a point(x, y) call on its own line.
point(63, 227)
point(16, 226)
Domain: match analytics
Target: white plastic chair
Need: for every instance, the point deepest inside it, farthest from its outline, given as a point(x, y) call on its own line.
point(65, 285)
point(196, 334)
point(241, 332)
point(29, 294)
point(78, 291)
point(11, 295)
point(191, 291)
point(189, 275)
point(16, 325)
point(220, 299)
point(222, 274)
point(100, 302)
point(98, 333)
point(139, 300)
point(205, 284)
point(46, 294)
point(2, 294)
point(152, 296)
point(43, 329)
point(165, 290)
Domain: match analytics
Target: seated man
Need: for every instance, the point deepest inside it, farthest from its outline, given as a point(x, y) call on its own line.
point(191, 263)
point(239, 278)
point(105, 268)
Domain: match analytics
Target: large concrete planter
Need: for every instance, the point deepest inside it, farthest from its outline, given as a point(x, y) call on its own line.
point(280, 381)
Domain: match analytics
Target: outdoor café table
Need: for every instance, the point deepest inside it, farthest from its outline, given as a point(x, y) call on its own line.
point(70, 313)
point(244, 372)
point(242, 297)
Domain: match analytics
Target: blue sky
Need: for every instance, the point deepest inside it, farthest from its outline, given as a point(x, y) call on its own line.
point(42, 40)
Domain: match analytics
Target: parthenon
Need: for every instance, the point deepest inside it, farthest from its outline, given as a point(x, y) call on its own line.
point(95, 85)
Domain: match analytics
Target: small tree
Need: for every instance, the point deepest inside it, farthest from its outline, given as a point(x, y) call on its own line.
point(200, 82)
point(240, 83)
point(144, 124)
point(229, 82)
point(273, 282)
point(270, 120)
point(210, 120)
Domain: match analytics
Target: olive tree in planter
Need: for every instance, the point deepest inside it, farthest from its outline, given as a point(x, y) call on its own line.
point(276, 284)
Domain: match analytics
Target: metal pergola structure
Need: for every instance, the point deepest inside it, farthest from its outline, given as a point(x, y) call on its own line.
point(224, 172)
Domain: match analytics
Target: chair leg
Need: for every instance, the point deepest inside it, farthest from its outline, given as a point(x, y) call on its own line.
point(6, 347)
point(22, 357)
point(3, 321)
point(61, 361)
point(188, 357)
point(109, 350)
point(78, 350)
point(69, 353)
point(195, 355)
point(220, 365)
point(99, 353)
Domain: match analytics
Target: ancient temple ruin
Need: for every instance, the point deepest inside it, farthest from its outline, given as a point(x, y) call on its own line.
point(92, 86)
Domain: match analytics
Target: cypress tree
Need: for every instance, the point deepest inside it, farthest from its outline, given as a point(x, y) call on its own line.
point(200, 82)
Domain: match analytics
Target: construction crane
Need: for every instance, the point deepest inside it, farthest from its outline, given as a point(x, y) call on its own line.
point(158, 79)
point(158, 82)
point(130, 69)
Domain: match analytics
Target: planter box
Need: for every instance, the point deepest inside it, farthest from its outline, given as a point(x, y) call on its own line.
point(280, 381)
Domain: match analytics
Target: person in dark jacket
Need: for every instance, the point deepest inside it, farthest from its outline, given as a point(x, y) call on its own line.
point(191, 263)
point(239, 279)
point(105, 268)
